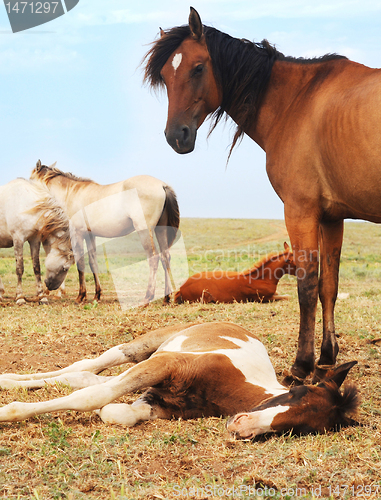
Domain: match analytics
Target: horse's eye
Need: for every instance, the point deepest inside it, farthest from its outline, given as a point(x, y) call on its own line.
point(198, 69)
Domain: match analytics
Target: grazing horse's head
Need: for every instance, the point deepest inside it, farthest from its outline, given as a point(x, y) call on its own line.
point(304, 409)
point(180, 60)
point(57, 263)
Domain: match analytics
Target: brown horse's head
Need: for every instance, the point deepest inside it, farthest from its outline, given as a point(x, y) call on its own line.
point(188, 75)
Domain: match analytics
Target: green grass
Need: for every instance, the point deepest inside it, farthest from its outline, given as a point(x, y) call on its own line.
point(72, 455)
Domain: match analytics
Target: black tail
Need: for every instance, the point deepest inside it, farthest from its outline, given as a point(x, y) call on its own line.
point(170, 216)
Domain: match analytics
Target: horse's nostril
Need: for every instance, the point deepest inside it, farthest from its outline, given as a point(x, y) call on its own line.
point(186, 133)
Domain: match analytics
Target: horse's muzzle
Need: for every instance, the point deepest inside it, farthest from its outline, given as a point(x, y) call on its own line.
point(182, 139)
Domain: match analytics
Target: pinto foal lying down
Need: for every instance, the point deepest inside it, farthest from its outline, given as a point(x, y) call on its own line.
point(209, 369)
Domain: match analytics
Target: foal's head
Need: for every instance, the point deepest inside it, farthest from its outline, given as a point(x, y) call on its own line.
point(304, 409)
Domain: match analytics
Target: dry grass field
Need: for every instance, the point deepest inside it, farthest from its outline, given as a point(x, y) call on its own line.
point(70, 455)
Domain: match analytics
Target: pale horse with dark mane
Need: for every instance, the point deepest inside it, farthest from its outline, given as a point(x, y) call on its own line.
point(28, 212)
point(191, 371)
point(142, 203)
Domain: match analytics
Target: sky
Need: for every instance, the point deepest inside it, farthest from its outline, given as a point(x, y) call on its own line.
point(71, 91)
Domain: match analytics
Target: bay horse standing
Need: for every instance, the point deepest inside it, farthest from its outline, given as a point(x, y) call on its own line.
point(257, 284)
point(28, 212)
point(191, 371)
point(318, 120)
point(142, 203)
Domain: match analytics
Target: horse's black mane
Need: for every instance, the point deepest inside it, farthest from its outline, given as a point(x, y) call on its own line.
point(242, 68)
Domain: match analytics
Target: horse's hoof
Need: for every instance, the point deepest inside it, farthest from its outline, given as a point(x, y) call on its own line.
point(166, 300)
point(44, 301)
point(143, 304)
point(319, 374)
point(21, 301)
point(300, 371)
point(289, 380)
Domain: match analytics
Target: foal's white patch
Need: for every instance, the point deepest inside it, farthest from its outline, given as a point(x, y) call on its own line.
point(176, 61)
point(251, 359)
point(259, 422)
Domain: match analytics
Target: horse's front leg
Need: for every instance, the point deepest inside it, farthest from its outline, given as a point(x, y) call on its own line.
point(162, 238)
point(78, 248)
point(35, 254)
point(146, 237)
point(331, 238)
point(18, 248)
point(92, 252)
point(303, 233)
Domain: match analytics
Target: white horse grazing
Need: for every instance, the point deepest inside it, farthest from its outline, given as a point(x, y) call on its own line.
point(142, 203)
point(210, 369)
point(28, 212)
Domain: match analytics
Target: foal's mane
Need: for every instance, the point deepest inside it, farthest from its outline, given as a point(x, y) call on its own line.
point(264, 260)
point(242, 69)
point(45, 174)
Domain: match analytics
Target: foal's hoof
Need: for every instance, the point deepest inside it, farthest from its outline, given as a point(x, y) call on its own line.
point(21, 301)
point(44, 301)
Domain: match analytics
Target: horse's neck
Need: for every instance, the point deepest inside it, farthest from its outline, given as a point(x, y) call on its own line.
point(67, 190)
point(287, 82)
point(271, 271)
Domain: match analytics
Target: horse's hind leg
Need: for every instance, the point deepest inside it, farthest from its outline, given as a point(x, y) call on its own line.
point(331, 238)
point(148, 373)
point(35, 254)
point(18, 247)
point(147, 241)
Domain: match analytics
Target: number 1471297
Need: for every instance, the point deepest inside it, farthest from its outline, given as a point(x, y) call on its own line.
point(359, 490)
point(32, 7)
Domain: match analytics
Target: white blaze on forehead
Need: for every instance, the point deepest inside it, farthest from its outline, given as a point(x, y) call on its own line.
point(176, 61)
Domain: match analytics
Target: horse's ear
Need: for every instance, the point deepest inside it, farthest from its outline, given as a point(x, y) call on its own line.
point(286, 247)
point(195, 24)
point(38, 165)
point(162, 32)
point(53, 165)
point(339, 374)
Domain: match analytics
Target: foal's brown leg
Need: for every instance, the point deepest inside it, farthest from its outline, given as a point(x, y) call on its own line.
point(331, 238)
point(303, 233)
